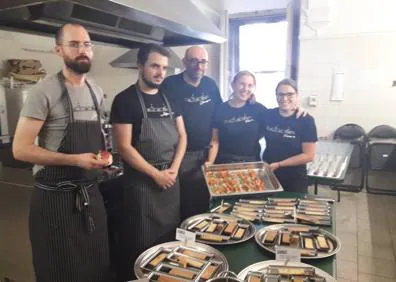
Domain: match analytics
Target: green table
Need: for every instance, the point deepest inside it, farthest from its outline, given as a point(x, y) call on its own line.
point(241, 255)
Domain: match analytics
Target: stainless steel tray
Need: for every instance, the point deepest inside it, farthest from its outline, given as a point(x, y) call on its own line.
point(333, 241)
point(261, 267)
point(142, 268)
point(190, 223)
point(216, 177)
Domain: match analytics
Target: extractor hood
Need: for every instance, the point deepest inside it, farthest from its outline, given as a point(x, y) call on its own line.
point(129, 60)
point(128, 23)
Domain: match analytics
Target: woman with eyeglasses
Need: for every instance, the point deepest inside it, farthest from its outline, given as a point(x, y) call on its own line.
point(235, 127)
point(290, 142)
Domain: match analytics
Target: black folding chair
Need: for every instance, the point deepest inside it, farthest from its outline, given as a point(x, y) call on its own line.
point(381, 160)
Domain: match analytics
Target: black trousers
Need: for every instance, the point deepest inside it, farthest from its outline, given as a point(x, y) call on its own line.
point(194, 194)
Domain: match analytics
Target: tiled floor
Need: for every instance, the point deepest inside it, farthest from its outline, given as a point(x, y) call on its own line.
point(366, 225)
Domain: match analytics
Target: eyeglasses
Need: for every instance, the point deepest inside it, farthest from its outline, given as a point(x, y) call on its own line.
point(196, 62)
point(77, 45)
point(285, 95)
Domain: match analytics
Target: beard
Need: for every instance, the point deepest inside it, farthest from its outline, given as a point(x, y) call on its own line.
point(150, 83)
point(78, 65)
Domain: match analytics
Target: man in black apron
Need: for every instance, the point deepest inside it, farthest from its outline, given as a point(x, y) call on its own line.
point(198, 97)
point(150, 136)
point(67, 221)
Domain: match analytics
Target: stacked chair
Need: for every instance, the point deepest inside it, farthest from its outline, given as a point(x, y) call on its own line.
point(381, 160)
point(354, 178)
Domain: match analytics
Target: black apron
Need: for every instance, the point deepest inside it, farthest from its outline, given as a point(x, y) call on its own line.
point(67, 220)
point(194, 194)
point(151, 215)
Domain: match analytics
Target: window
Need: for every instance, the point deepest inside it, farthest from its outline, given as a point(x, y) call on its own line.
point(266, 45)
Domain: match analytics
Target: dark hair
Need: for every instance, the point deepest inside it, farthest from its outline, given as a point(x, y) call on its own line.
point(60, 31)
point(289, 82)
point(145, 51)
point(243, 73)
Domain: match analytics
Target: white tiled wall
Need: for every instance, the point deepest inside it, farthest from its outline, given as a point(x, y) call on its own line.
point(360, 41)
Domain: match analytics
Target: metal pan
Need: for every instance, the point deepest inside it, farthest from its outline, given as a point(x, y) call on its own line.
point(212, 256)
point(334, 242)
point(227, 239)
point(262, 266)
point(261, 170)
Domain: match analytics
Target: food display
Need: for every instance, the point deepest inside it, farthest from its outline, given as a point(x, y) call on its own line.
point(274, 271)
point(175, 261)
point(313, 241)
point(219, 229)
point(285, 210)
point(240, 179)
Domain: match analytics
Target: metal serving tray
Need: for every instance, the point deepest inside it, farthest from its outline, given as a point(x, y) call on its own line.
point(219, 177)
point(333, 241)
point(261, 268)
point(212, 257)
point(191, 223)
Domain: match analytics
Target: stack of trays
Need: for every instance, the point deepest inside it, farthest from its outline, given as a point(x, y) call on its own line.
point(219, 229)
point(275, 271)
point(174, 261)
point(313, 241)
point(314, 212)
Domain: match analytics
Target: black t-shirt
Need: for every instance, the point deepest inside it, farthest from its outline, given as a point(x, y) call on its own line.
point(238, 128)
point(197, 105)
point(284, 137)
point(126, 109)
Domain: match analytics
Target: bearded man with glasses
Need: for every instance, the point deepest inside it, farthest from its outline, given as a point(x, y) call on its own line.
point(197, 96)
point(67, 219)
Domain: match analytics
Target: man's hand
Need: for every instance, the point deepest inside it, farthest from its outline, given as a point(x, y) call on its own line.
point(89, 161)
point(301, 112)
point(165, 179)
point(172, 172)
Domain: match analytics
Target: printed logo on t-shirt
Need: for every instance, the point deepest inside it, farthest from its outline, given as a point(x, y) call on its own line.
point(287, 133)
point(84, 112)
point(163, 109)
point(203, 99)
point(244, 118)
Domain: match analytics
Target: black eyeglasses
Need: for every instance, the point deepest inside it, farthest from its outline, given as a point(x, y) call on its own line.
point(285, 95)
point(196, 62)
point(77, 45)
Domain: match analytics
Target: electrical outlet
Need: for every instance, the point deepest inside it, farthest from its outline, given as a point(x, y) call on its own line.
point(394, 83)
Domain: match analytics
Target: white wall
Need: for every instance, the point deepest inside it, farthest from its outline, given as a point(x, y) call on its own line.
point(360, 41)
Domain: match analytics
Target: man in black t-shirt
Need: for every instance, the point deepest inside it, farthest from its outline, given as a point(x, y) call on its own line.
point(150, 136)
point(197, 96)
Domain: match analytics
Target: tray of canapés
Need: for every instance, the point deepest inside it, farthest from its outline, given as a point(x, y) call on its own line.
point(219, 229)
point(239, 179)
point(275, 271)
point(314, 242)
point(285, 210)
point(175, 262)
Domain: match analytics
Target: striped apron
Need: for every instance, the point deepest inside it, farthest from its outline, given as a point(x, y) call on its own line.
point(67, 220)
point(150, 214)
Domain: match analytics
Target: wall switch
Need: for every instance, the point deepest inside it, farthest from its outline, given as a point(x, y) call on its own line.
point(312, 100)
point(394, 83)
